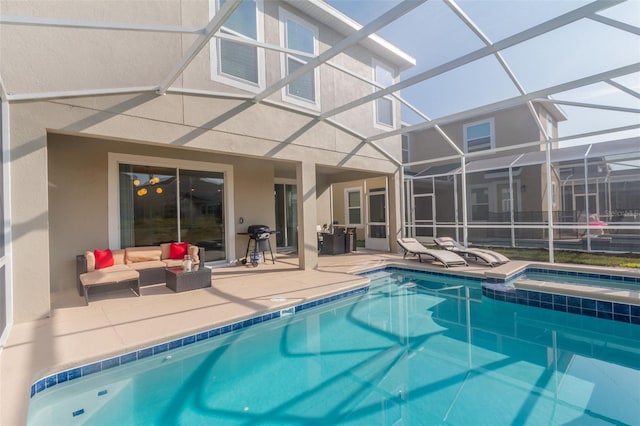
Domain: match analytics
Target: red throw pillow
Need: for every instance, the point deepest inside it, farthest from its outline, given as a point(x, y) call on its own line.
point(178, 250)
point(104, 258)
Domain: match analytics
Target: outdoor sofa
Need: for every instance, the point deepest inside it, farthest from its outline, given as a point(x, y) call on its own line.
point(138, 266)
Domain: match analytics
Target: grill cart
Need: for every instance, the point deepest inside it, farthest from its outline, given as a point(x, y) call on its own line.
point(259, 235)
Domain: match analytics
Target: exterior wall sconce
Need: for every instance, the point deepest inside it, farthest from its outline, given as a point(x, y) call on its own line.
point(523, 188)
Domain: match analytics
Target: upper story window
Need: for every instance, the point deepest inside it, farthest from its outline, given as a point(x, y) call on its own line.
point(479, 136)
point(384, 106)
point(297, 34)
point(238, 64)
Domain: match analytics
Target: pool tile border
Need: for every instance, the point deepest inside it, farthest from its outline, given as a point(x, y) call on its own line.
point(559, 273)
point(501, 289)
point(105, 364)
point(587, 306)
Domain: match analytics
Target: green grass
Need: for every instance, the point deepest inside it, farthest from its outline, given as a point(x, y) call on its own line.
point(626, 260)
point(561, 256)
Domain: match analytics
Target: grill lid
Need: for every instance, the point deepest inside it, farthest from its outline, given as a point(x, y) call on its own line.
point(258, 231)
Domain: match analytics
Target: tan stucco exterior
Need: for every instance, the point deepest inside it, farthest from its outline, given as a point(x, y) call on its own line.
point(60, 145)
point(512, 127)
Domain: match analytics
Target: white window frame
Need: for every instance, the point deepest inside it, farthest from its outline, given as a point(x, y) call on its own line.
point(472, 202)
point(285, 15)
point(347, 207)
point(505, 198)
point(492, 130)
point(114, 161)
point(378, 125)
point(550, 125)
point(217, 74)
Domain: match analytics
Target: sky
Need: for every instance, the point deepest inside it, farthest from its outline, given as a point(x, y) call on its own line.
point(434, 35)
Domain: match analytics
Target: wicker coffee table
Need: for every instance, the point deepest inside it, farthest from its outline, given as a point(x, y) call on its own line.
point(180, 280)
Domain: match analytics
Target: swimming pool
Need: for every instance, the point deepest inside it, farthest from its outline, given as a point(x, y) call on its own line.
point(415, 349)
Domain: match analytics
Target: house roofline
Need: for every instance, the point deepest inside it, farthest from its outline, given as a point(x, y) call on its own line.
point(554, 109)
point(343, 24)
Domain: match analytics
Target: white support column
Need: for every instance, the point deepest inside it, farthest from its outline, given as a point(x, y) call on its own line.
point(455, 206)
point(434, 230)
point(307, 216)
point(386, 210)
point(465, 230)
point(365, 202)
point(587, 208)
point(411, 220)
point(549, 203)
point(512, 201)
point(400, 187)
point(511, 206)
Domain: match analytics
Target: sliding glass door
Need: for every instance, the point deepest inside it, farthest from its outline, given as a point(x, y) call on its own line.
point(162, 204)
point(286, 215)
point(202, 211)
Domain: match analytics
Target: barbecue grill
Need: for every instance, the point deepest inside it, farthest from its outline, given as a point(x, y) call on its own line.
point(259, 234)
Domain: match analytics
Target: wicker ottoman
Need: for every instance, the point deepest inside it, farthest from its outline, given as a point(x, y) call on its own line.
point(180, 280)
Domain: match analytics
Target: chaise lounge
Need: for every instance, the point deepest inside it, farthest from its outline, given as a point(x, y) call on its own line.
point(414, 247)
point(490, 257)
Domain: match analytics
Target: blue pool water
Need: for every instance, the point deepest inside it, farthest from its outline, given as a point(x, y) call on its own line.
point(415, 350)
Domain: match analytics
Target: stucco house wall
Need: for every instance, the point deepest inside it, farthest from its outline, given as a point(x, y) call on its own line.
point(59, 146)
point(512, 126)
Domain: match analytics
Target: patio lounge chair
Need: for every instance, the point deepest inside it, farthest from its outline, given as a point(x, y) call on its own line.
point(447, 258)
point(490, 257)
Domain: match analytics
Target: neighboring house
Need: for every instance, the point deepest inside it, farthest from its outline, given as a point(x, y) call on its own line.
point(485, 142)
point(113, 144)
